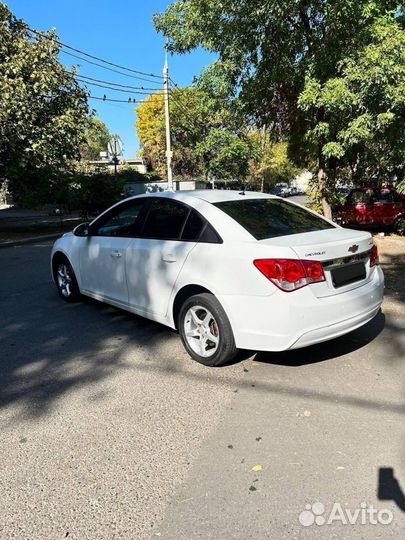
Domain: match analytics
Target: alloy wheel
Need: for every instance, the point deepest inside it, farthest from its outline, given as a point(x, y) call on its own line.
point(201, 331)
point(64, 280)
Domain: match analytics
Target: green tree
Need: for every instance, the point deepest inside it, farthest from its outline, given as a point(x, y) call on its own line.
point(269, 51)
point(224, 155)
point(43, 110)
point(271, 163)
point(201, 117)
point(357, 118)
point(96, 139)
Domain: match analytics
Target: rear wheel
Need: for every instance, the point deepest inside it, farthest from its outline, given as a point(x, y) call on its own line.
point(66, 280)
point(206, 331)
point(400, 226)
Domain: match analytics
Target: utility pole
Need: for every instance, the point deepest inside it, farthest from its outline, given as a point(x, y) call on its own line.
point(115, 159)
point(169, 152)
point(263, 148)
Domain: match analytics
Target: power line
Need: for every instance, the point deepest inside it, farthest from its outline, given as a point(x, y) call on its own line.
point(116, 84)
point(174, 84)
point(114, 105)
point(106, 84)
point(116, 89)
point(177, 100)
point(108, 68)
point(36, 32)
point(105, 98)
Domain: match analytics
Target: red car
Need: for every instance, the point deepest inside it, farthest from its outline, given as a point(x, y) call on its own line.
point(373, 208)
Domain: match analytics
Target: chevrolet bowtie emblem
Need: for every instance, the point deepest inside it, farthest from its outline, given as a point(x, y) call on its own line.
point(353, 248)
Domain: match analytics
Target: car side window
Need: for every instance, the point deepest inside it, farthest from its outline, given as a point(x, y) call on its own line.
point(197, 229)
point(210, 236)
point(385, 196)
point(361, 197)
point(354, 197)
point(123, 221)
point(193, 227)
point(165, 220)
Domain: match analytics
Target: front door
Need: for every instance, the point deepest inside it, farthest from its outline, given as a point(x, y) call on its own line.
point(104, 251)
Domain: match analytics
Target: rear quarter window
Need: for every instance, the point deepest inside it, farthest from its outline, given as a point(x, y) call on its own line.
point(197, 229)
point(269, 218)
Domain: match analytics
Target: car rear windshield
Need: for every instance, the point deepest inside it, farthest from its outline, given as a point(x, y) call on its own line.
point(268, 218)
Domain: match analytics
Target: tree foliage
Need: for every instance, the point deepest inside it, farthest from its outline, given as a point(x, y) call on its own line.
point(150, 129)
point(43, 110)
point(200, 119)
point(270, 162)
point(96, 140)
point(358, 116)
point(224, 155)
point(318, 73)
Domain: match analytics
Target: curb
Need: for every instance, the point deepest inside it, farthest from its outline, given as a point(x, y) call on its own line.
point(31, 240)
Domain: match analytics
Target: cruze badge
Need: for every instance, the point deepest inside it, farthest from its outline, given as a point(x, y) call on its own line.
point(353, 248)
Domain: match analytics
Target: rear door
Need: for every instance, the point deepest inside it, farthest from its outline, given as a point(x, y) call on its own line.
point(155, 259)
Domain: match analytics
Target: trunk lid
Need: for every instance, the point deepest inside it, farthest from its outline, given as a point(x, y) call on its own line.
point(341, 251)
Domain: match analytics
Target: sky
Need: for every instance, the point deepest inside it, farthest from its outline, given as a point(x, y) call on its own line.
point(120, 31)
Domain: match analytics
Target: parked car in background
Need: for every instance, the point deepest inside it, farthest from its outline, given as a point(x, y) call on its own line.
point(281, 190)
point(373, 208)
point(277, 191)
point(228, 269)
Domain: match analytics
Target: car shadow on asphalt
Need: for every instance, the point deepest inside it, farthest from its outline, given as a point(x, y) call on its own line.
point(50, 348)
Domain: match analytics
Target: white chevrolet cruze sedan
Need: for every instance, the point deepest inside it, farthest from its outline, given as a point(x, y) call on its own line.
point(230, 270)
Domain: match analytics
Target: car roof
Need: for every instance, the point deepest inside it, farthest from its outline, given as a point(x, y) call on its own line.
point(214, 195)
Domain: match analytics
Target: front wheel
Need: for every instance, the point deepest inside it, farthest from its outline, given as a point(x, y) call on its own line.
point(66, 281)
point(206, 331)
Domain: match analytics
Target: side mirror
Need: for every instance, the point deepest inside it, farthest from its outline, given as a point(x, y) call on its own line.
point(81, 230)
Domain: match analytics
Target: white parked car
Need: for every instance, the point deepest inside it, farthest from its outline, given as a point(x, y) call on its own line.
point(230, 270)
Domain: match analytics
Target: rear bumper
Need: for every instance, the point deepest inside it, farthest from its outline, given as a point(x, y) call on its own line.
point(335, 330)
point(284, 321)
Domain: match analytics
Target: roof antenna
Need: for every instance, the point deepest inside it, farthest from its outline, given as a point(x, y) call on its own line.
point(243, 190)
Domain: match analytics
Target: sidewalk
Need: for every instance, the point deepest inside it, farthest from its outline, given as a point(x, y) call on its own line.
point(14, 220)
point(27, 226)
point(24, 238)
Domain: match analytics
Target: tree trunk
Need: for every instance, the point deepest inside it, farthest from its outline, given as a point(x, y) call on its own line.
point(322, 178)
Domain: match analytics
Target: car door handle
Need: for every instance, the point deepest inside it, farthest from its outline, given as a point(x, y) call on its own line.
point(116, 254)
point(168, 257)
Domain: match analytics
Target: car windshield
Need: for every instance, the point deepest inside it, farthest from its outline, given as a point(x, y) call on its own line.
point(268, 218)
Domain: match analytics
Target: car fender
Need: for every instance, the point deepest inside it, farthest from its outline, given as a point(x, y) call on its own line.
point(68, 245)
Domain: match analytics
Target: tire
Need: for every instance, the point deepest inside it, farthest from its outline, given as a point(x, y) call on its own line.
point(65, 280)
point(209, 342)
point(400, 226)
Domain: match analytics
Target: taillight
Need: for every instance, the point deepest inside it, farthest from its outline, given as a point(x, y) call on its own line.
point(291, 274)
point(374, 256)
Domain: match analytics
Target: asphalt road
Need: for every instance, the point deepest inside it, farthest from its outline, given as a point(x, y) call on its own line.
point(109, 430)
point(299, 199)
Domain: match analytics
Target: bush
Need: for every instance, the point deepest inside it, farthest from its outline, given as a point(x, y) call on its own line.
point(93, 193)
point(79, 188)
